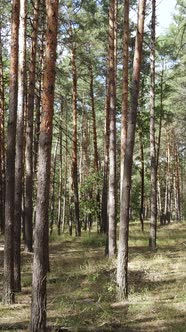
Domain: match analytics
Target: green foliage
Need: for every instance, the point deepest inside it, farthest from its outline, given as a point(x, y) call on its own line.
point(88, 191)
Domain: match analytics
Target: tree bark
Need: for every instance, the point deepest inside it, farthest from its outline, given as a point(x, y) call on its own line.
point(53, 182)
point(29, 136)
point(112, 133)
point(124, 113)
point(2, 142)
point(104, 215)
point(74, 140)
point(142, 173)
point(96, 157)
point(122, 262)
point(177, 183)
point(153, 221)
point(167, 205)
point(96, 165)
point(40, 266)
point(10, 160)
point(60, 189)
point(19, 146)
point(160, 120)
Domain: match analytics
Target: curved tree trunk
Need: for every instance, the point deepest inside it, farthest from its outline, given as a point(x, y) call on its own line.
point(40, 263)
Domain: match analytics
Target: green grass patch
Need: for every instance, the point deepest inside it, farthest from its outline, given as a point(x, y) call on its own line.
point(93, 240)
point(81, 285)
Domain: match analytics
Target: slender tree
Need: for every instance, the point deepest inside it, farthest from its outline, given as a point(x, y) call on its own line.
point(177, 184)
point(96, 166)
point(53, 185)
point(104, 214)
point(74, 136)
point(29, 134)
point(19, 146)
point(2, 141)
point(112, 132)
point(122, 263)
point(167, 205)
point(38, 313)
point(142, 173)
point(10, 160)
point(124, 88)
point(153, 223)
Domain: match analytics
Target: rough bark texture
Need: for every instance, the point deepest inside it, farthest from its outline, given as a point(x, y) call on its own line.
point(104, 217)
point(122, 264)
point(160, 120)
point(19, 147)
point(39, 68)
point(96, 166)
point(10, 161)
point(159, 202)
point(40, 266)
point(153, 221)
point(142, 173)
point(177, 184)
point(167, 205)
point(29, 135)
point(2, 143)
point(61, 197)
point(124, 88)
point(74, 141)
point(53, 183)
point(112, 134)
point(96, 157)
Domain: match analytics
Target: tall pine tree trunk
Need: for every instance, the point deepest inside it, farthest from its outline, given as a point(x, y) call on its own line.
point(29, 135)
point(177, 184)
point(142, 173)
point(153, 222)
point(53, 183)
point(10, 160)
point(122, 263)
point(160, 120)
point(96, 158)
point(38, 314)
point(39, 67)
point(167, 205)
point(19, 146)
point(104, 215)
point(124, 89)
point(61, 197)
point(112, 133)
point(74, 141)
point(96, 166)
point(2, 142)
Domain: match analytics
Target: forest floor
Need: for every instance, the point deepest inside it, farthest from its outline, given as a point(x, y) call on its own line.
point(81, 285)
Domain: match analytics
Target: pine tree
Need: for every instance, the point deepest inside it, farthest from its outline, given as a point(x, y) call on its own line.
point(40, 263)
point(10, 160)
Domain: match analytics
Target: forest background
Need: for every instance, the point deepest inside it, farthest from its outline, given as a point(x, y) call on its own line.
point(61, 149)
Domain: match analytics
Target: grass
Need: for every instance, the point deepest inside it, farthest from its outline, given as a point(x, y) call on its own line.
point(81, 285)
